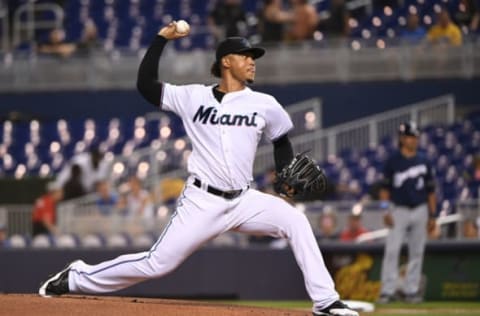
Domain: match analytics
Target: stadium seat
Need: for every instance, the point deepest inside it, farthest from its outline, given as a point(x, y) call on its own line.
point(66, 241)
point(42, 241)
point(143, 241)
point(17, 241)
point(92, 241)
point(117, 241)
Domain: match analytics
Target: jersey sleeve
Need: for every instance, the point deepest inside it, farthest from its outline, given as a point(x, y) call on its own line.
point(430, 179)
point(175, 98)
point(278, 122)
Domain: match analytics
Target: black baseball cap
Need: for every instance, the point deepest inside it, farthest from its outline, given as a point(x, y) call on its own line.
point(408, 129)
point(237, 45)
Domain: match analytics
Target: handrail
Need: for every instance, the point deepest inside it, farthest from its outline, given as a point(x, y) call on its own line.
point(315, 62)
point(5, 29)
point(325, 142)
point(31, 24)
point(18, 217)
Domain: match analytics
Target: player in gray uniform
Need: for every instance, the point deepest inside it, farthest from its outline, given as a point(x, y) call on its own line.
point(409, 185)
point(225, 123)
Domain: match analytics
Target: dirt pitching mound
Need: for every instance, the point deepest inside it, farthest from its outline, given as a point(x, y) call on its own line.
point(76, 305)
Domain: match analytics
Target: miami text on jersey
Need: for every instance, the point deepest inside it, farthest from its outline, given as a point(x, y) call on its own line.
point(411, 172)
point(209, 115)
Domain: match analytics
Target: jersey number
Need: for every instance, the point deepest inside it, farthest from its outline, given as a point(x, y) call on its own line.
point(420, 183)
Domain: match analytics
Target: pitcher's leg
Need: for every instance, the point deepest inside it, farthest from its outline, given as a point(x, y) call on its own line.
point(273, 216)
point(416, 249)
point(188, 229)
point(125, 270)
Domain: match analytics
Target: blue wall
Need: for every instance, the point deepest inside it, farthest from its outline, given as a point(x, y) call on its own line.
point(342, 101)
point(252, 273)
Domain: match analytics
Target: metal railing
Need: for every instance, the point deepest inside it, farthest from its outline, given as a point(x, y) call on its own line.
point(4, 28)
point(31, 11)
point(84, 219)
point(17, 218)
point(286, 64)
point(362, 133)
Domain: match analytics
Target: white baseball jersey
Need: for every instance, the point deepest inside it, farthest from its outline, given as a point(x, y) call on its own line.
point(225, 135)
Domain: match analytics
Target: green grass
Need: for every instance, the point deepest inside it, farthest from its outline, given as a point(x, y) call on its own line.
point(394, 309)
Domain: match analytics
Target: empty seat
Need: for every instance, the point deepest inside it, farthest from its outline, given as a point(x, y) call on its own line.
point(42, 241)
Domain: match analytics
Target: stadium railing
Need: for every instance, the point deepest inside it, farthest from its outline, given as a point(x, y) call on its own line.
point(362, 133)
point(82, 220)
point(17, 218)
point(286, 64)
point(4, 28)
point(26, 20)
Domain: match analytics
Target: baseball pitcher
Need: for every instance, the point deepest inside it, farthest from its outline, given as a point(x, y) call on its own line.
point(224, 122)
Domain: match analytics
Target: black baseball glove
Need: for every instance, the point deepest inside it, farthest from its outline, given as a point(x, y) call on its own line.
point(302, 177)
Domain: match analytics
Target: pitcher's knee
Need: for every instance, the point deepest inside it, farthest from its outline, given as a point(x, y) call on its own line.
point(161, 266)
point(299, 221)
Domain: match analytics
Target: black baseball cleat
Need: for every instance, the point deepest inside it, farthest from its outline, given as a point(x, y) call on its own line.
point(337, 308)
point(57, 284)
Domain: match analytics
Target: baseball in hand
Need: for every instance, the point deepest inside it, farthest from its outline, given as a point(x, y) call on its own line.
point(182, 27)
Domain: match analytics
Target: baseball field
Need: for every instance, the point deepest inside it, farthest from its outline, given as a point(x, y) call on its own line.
point(79, 305)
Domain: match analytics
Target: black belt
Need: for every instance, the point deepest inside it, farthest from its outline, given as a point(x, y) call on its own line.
point(409, 206)
point(229, 195)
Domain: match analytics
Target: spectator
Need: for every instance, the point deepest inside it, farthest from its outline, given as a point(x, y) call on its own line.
point(273, 20)
point(138, 201)
point(445, 31)
point(3, 235)
point(327, 223)
point(56, 45)
point(44, 212)
point(73, 188)
point(469, 229)
point(474, 176)
point(107, 201)
point(468, 15)
point(354, 226)
point(414, 33)
point(89, 40)
point(305, 20)
point(434, 232)
point(93, 166)
point(337, 23)
point(227, 19)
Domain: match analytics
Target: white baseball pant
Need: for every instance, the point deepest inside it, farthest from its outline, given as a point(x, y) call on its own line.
point(201, 216)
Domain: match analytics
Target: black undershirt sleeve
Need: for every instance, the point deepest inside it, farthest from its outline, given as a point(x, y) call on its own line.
point(147, 79)
point(282, 152)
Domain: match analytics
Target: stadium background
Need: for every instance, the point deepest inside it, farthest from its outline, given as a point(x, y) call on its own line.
point(346, 95)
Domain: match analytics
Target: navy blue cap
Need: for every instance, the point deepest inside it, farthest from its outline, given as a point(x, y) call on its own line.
point(408, 129)
point(237, 45)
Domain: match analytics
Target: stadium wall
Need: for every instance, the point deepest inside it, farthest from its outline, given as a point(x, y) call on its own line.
point(342, 102)
point(450, 272)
